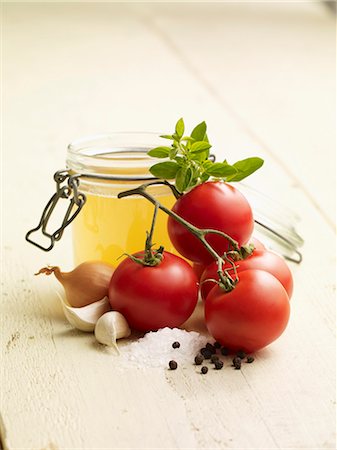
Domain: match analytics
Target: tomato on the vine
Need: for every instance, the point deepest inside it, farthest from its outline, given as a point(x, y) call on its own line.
point(252, 315)
point(215, 205)
point(262, 260)
point(199, 268)
point(153, 297)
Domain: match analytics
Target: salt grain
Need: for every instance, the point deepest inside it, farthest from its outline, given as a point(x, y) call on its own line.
point(155, 348)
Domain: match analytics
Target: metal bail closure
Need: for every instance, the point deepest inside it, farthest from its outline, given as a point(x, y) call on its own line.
point(69, 191)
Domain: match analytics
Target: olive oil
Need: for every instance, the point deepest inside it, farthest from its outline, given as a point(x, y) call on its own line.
point(108, 227)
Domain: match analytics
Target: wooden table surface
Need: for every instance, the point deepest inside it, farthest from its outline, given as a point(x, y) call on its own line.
point(262, 75)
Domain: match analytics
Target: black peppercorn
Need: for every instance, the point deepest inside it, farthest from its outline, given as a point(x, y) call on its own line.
point(237, 363)
point(198, 359)
point(224, 351)
point(210, 348)
point(206, 353)
point(241, 354)
point(218, 365)
point(217, 345)
point(173, 365)
point(204, 369)
point(214, 358)
point(176, 344)
point(249, 359)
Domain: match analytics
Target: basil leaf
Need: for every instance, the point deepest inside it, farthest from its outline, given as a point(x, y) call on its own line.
point(165, 170)
point(180, 128)
point(173, 152)
point(245, 168)
point(207, 164)
point(220, 170)
point(200, 157)
point(180, 160)
point(204, 177)
point(199, 132)
point(200, 146)
point(183, 178)
point(159, 152)
point(167, 136)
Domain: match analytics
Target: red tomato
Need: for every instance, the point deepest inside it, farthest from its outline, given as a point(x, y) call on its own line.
point(262, 260)
point(198, 269)
point(154, 297)
point(215, 205)
point(252, 315)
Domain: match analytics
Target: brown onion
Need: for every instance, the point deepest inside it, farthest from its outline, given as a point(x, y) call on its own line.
point(86, 284)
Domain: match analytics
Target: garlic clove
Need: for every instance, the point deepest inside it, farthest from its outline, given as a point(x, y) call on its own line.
point(110, 327)
point(85, 318)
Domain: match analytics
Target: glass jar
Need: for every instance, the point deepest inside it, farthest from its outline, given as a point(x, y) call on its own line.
point(108, 227)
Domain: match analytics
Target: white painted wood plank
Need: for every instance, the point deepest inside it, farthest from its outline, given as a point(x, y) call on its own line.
point(61, 389)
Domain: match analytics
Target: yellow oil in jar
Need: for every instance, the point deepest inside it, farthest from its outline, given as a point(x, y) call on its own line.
point(108, 227)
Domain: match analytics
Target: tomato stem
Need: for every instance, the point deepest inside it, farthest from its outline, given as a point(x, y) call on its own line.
point(152, 258)
point(148, 242)
point(174, 190)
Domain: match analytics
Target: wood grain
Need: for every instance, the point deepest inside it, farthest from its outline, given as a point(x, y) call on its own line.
point(77, 69)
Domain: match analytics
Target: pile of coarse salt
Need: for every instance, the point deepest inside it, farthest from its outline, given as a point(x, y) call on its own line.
point(155, 348)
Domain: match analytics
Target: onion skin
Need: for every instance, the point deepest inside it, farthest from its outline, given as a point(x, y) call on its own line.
point(86, 284)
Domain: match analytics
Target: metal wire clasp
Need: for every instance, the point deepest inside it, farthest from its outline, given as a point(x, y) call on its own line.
point(68, 191)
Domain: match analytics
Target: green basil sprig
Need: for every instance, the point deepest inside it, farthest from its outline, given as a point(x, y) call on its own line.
point(188, 163)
